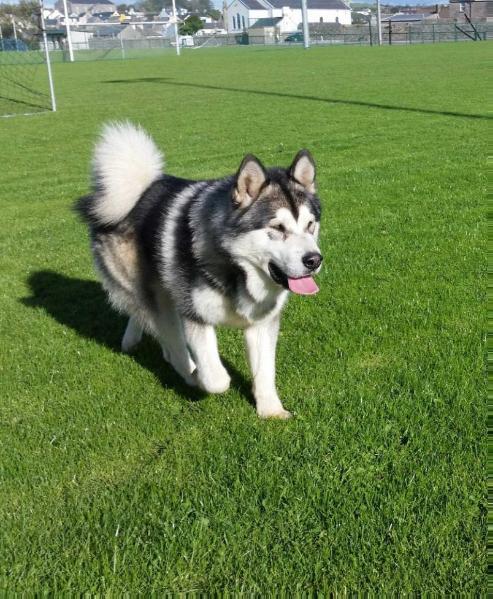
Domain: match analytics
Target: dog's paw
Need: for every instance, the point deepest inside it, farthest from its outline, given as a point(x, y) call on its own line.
point(217, 382)
point(129, 344)
point(132, 336)
point(278, 414)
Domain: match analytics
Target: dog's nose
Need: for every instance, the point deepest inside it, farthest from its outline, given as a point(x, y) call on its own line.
point(312, 260)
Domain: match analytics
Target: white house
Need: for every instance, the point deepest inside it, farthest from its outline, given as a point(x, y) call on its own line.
point(211, 28)
point(242, 14)
point(52, 14)
point(90, 6)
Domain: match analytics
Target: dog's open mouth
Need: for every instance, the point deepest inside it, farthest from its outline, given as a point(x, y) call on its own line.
point(301, 286)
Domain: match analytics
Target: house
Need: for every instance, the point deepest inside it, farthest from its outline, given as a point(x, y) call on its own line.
point(242, 14)
point(86, 6)
point(52, 14)
point(265, 31)
point(404, 18)
point(475, 11)
point(105, 16)
point(164, 15)
point(211, 28)
point(269, 30)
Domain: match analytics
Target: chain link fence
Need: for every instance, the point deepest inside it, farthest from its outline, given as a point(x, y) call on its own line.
point(118, 44)
point(366, 34)
point(117, 47)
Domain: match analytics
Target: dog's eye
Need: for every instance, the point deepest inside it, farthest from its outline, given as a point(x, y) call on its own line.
point(311, 227)
point(281, 228)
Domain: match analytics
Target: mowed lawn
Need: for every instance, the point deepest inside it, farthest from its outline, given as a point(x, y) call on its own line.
point(116, 477)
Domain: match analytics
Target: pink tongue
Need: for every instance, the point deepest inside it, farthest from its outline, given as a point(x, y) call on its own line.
point(303, 286)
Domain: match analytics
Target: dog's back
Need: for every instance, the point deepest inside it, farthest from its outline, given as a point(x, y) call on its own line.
point(125, 163)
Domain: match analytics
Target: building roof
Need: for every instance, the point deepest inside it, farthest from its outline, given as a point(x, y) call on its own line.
point(311, 4)
point(92, 2)
point(267, 22)
point(253, 5)
point(397, 18)
point(103, 15)
point(113, 31)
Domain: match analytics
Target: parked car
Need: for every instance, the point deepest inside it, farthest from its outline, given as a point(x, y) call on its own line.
point(294, 37)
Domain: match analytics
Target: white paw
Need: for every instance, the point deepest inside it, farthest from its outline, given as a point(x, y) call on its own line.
point(278, 413)
point(166, 354)
point(129, 344)
point(217, 382)
point(132, 336)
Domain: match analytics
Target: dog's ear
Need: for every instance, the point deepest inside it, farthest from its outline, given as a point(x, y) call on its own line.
point(302, 170)
point(250, 178)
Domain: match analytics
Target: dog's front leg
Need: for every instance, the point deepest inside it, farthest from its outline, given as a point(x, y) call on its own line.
point(202, 342)
point(261, 341)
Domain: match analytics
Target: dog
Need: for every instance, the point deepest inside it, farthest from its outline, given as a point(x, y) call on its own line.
point(181, 257)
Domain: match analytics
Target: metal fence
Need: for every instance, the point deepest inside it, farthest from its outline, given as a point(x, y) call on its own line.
point(392, 33)
point(107, 47)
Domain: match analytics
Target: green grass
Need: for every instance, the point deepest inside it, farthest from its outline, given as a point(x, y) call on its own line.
point(113, 479)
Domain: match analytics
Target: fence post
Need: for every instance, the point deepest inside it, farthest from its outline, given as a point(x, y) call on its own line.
point(433, 32)
point(122, 47)
point(304, 22)
point(379, 23)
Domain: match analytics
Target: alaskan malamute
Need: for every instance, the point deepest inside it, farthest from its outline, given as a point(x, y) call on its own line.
point(181, 257)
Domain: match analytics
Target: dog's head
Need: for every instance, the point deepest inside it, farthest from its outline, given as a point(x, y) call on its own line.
point(277, 221)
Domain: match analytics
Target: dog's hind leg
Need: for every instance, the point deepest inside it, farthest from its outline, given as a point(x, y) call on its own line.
point(132, 336)
point(168, 328)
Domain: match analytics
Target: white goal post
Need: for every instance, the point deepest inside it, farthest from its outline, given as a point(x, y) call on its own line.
point(26, 78)
point(47, 57)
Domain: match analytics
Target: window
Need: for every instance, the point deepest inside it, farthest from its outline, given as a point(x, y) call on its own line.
point(238, 20)
point(321, 19)
point(234, 22)
point(243, 21)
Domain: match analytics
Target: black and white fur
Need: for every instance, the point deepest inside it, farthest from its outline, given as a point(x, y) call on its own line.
point(181, 257)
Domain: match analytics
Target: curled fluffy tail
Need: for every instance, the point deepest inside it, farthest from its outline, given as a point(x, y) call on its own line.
point(125, 162)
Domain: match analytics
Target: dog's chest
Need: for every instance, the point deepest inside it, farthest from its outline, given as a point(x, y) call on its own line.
point(217, 309)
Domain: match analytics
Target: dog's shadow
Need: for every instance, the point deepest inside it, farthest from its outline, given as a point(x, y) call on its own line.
point(82, 305)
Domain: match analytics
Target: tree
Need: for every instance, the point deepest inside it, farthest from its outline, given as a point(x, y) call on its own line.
point(24, 10)
point(215, 15)
point(153, 6)
point(200, 7)
point(26, 16)
point(191, 25)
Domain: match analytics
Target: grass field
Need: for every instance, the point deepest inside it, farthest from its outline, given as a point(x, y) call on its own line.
point(115, 477)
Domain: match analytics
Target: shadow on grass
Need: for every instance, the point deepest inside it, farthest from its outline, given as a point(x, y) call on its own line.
point(82, 305)
point(22, 103)
point(169, 81)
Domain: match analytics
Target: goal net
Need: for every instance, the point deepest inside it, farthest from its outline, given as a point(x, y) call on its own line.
point(111, 39)
point(25, 72)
